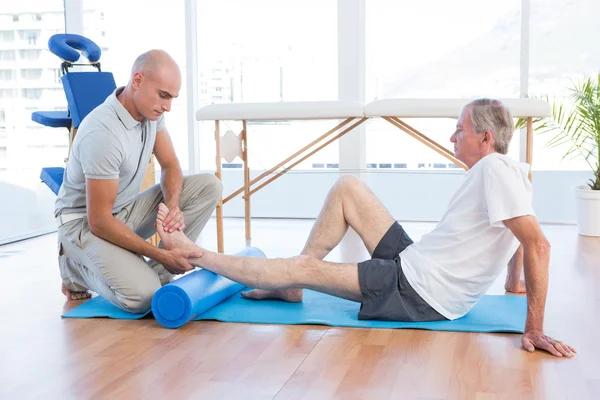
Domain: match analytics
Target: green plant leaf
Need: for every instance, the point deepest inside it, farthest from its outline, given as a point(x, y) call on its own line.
point(575, 124)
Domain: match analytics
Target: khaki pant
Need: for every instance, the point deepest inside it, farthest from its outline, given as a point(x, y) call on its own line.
point(122, 277)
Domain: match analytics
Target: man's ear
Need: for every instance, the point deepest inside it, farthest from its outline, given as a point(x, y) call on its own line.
point(137, 80)
point(487, 137)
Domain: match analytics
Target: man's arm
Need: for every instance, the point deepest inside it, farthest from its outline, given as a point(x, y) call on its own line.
point(536, 260)
point(101, 195)
point(171, 180)
point(514, 283)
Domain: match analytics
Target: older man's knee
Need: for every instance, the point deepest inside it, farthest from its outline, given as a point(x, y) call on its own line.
point(349, 185)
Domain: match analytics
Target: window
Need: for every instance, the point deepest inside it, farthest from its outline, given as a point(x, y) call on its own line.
point(25, 146)
point(163, 28)
point(7, 36)
point(32, 37)
point(30, 55)
point(56, 76)
point(7, 55)
point(564, 49)
point(31, 74)
point(472, 51)
point(6, 74)
point(31, 94)
point(6, 94)
point(263, 52)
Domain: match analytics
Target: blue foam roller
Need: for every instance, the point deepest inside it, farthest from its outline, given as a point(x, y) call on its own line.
point(184, 299)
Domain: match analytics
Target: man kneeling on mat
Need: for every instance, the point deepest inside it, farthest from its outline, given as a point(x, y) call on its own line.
point(103, 218)
point(489, 224)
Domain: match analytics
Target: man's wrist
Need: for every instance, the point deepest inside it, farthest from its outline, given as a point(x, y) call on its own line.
point(532, 330)
point(157, 254)
point(533, 326)
point(172, 204)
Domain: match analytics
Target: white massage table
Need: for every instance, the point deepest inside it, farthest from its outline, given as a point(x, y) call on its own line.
point(230, 146)
point(393, 109)
point(352, 115)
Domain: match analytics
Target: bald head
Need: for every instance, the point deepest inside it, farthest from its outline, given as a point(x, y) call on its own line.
point(153, 63)
point(155, 82)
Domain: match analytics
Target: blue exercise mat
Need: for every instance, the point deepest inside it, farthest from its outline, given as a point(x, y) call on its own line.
point(204, 295)
point(99, 307)
point(492, 314)
point(505, 313)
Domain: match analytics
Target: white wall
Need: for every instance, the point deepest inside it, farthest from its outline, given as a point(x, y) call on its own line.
point(27, 208)
point(409, 196)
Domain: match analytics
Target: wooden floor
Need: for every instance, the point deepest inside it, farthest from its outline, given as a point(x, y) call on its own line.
point(44, 356)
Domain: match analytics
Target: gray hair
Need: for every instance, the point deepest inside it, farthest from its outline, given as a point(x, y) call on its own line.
point(491, 115)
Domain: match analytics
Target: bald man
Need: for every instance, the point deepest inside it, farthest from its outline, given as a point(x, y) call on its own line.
point(103, 219)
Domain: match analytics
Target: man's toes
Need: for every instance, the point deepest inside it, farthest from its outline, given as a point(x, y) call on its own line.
point(80, 295)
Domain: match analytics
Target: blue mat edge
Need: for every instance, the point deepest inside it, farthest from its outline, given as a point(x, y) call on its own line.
point(80, 312)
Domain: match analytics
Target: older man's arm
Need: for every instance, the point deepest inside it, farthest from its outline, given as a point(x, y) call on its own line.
point(536, 259)
point(514, 283)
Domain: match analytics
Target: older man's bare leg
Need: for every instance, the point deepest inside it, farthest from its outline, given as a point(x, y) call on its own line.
point(304, 271)
point(349, 203)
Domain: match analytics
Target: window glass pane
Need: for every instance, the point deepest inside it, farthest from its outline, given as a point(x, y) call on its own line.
point(28, 84)
point(436, 49)
point(263, 51)
point(126, 29)
point(564, 49)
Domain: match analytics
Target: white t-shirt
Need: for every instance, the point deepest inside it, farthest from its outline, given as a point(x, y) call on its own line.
point(453, 266)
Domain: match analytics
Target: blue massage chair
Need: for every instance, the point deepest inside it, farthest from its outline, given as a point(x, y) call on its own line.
point(84, 90)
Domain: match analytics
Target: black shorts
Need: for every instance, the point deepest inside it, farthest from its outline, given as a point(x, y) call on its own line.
point(387, 295)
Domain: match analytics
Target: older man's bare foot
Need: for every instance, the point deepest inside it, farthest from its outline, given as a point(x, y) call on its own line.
point(171, 240)
point(72, 295)
point(290, 295)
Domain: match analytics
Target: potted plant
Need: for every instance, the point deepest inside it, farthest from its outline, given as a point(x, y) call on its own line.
point(577, 124)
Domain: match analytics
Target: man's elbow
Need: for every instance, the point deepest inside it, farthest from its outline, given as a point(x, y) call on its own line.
point(541, 246)
point(544, 246)
point(97, 224)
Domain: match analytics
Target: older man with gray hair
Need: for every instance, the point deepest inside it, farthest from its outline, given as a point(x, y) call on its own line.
point(489, 224)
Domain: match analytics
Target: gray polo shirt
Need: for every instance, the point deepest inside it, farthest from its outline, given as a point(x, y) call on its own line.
point(110, 144)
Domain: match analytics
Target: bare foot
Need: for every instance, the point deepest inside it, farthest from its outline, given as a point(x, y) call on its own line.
point(290, 295)
point(171, 240)
point(72, 295)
